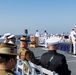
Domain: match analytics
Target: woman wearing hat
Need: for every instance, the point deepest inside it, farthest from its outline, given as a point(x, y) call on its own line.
point(8, 58)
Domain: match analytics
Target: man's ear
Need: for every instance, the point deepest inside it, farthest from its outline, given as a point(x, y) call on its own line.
point(10, 60)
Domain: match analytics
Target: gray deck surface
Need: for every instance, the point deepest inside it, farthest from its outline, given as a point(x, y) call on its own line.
point(71, 59)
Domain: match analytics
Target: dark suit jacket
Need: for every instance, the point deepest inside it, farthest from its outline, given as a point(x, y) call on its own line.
point(57, 64)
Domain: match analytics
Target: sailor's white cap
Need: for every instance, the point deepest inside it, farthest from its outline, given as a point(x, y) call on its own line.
point(74, 26)
point(7, 34)
point(11, 36)
point(53, 40)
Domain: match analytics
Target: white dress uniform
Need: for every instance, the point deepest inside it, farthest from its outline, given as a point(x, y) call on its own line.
point(6, 35)
point(37, 35)
point(73, 37)
point(45, 38)
point(10, 37)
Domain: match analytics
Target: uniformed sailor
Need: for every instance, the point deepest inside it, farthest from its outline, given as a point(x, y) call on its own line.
point(6, 37)
point(11, 39)
point(54, 61)
point(37, 33)
point(45, 37)
point(38, 36)
point(73, 37)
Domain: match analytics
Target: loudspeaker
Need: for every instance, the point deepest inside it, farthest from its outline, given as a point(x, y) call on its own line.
point(26, 31)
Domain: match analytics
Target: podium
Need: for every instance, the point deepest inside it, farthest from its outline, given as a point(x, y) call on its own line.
point(33, 41)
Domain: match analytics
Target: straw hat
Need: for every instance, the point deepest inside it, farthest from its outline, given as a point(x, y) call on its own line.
point(9, 49)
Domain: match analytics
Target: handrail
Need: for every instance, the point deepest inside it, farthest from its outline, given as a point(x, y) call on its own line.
point(32, 68)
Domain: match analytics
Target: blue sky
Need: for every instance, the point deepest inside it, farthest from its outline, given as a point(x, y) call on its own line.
point(55, 16)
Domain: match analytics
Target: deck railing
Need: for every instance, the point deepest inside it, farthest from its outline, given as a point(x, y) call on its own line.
point(33, 69)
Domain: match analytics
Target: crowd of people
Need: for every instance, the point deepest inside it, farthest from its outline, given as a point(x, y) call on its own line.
point(50, 60)
point(64, 38)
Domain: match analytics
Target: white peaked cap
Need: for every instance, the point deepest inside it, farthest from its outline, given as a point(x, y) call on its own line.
point(74, 26)
point(53, 40)
point(11, 36)
point(7, 34)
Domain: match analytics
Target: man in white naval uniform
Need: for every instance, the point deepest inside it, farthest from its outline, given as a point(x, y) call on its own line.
point(45, 37)
point(37, 35)
point(73, 37)
point(11, 39)
point(6, 37)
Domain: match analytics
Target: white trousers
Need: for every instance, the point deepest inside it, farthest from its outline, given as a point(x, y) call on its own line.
point(45, 43)
point(74, 47)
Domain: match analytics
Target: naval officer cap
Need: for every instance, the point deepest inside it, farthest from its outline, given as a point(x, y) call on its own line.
point(11, 36)
point(53, 40)
point(74, 26)
point(7, 34)
point(9, 49)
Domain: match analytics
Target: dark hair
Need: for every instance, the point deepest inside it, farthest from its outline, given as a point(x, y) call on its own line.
point(44, 30)
point(4, 58)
